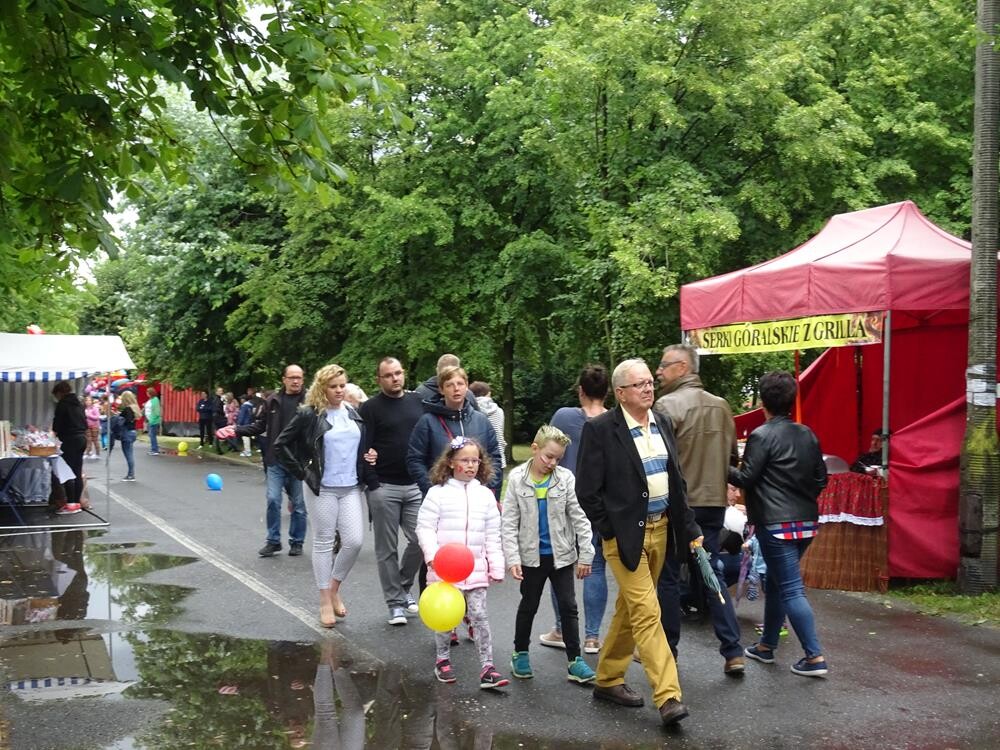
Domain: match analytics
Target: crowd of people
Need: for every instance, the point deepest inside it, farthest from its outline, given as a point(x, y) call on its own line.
point(633, 489)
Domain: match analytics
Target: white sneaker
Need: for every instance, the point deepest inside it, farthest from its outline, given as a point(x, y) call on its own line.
point(411, 605)
point(397, 616)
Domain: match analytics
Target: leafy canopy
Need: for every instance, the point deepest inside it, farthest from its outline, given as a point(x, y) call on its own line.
point(82, 99)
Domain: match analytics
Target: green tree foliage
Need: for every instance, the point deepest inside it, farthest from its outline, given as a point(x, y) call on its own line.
point(82, 98)
point(571, 165)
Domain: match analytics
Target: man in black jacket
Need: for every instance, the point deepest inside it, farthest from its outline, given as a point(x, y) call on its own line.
point(277, 413)
point(70, 426)
point(630, 486)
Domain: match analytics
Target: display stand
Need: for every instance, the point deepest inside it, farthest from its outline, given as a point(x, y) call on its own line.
point(35, 363)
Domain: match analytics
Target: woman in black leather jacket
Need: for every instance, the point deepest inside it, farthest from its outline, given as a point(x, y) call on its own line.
point(324, 445)
point(783, 473)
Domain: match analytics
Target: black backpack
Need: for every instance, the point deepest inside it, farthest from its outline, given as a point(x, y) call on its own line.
point(117, 427)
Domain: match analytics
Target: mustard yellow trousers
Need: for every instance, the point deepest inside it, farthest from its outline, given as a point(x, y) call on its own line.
point(636, 621)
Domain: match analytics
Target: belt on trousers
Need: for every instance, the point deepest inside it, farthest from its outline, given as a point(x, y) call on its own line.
point(653, 517)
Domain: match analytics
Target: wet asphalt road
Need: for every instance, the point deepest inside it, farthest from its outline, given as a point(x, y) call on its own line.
point(898, 679)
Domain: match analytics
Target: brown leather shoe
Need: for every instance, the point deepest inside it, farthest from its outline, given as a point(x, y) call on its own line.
point(622, 694)
point(734, 666)
point(672, 711)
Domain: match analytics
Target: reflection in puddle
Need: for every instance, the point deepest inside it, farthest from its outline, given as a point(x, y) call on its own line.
point(219, 691)
point(229, 692)
point(55, 576)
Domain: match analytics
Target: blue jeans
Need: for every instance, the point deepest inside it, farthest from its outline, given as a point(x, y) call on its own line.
point(154, 430)
point(727, 628)
point(277, 480)
point(595, 595)
point(786, 594)
point(128, 442)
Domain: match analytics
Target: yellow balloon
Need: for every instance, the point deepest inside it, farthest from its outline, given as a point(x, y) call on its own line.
point(182, 447)
point(442, 606)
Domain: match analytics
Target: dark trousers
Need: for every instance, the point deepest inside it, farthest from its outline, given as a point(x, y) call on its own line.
point(531, 593)
point(206, 431)
point(724, 622)
point(668, 592)
point(72, 453)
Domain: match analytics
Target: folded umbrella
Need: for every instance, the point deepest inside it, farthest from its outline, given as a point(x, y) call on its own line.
point(707, 573)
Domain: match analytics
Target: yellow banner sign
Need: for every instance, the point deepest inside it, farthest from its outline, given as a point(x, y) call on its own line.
point(784, 335)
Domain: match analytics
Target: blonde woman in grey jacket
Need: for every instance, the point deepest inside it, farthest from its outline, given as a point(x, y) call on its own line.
point(542, 526)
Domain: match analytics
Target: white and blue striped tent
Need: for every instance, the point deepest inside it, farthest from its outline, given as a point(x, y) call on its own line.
point(31, 364)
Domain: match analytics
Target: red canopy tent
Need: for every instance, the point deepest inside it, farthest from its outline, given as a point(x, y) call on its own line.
point(889, 259)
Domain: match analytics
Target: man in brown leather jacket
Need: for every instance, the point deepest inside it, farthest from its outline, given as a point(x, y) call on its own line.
point(706, 441)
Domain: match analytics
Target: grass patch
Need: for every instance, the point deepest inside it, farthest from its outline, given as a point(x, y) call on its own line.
point(942, 598)
point(521, 453)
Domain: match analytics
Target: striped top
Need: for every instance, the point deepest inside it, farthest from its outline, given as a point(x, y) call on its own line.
point(791, 530)
point(653, 452)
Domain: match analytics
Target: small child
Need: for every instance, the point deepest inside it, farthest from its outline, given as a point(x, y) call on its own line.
point(460, 508)
point(543, 525)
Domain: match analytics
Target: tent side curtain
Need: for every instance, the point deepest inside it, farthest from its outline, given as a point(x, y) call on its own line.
point(923, 487)
point(25, 358)
point(24, 404)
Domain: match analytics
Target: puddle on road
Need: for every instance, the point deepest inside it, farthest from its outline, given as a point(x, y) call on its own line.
point(220, 691)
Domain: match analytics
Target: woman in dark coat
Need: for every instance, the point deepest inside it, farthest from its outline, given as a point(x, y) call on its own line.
point(446, 416)
point(70, 426)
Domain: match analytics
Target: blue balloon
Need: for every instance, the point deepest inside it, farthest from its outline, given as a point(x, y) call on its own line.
point(213, 482)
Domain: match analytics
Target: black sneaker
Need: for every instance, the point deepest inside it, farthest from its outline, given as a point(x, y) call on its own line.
point(269, 550)
point(295, 550)
point(490, 679)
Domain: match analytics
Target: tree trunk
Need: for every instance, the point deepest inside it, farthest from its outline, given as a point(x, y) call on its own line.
point(980, 463)
point(507, 362)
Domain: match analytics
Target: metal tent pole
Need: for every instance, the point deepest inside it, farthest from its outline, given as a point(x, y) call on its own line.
point(886, 360)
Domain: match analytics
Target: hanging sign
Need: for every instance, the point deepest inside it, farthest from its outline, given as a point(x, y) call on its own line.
point(844, 329)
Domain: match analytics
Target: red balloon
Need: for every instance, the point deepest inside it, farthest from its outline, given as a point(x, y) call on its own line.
point(454, 562)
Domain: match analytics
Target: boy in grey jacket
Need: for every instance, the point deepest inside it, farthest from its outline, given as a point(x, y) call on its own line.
point(542, 525)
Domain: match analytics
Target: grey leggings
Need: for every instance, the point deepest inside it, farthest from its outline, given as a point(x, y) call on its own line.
point(336, 509)
point(327, 734)
point(475, 611)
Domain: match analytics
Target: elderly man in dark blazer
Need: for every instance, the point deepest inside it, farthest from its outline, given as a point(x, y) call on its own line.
point(630, 486)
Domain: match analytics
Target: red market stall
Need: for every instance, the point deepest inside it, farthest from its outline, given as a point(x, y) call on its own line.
point(887, 292)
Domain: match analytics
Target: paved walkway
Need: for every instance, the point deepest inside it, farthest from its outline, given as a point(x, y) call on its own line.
point(898, 679)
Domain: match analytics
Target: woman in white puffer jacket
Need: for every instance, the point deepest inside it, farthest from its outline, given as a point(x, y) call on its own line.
point(459, 508)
